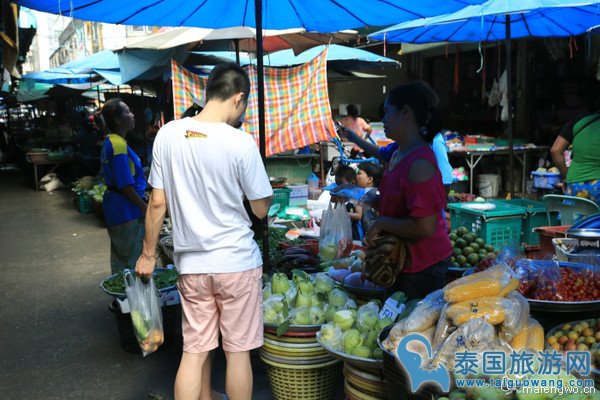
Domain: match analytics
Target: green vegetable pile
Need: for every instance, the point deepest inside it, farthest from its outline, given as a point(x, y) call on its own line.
point(163, 278)
point(276, 237)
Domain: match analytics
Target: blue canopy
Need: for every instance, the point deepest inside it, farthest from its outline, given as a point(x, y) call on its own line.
point(314, 16)
point(487, 22)
point(104, 63)
point(358, 58)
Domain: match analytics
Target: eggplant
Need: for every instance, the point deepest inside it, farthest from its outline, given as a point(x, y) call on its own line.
point(296, 250)
point(308, 261)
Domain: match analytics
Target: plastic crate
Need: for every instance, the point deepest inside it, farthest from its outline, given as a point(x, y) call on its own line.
point(535, 217)
point(85, 203)
point(282, 197)
point(498, 227)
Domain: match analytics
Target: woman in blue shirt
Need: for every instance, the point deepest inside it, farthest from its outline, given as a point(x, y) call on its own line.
point(123, 205)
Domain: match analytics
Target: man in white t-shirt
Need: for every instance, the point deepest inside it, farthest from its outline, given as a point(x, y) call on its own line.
point(202, 169)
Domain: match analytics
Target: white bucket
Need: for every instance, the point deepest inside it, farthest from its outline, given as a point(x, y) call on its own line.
point(488, 185)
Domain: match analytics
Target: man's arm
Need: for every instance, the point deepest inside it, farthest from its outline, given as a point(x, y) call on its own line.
point(157, 209)
point(558, 157)
point(131, 194)
point(260, 207)
point(369, 148)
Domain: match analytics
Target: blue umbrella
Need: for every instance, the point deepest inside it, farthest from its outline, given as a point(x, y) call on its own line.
point(104, 63)
point(314, 15)
point(285, 58)
point(487, 22)
point(500, 20)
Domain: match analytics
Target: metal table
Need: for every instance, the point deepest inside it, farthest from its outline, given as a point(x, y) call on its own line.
point(474, 156)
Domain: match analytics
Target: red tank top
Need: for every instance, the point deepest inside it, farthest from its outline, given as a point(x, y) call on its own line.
point(401, 198)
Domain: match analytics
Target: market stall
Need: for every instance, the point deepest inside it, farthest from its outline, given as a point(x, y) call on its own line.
point(522, 154)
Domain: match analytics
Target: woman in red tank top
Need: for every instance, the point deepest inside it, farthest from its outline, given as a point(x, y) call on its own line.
point(412, 192)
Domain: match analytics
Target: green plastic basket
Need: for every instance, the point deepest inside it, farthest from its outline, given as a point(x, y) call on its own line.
point(282, 197)
point(498, 227)
point(535, 217)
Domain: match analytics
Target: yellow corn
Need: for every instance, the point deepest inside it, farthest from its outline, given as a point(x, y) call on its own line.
point(489, 308)
point(512, 285)
point(519, 342)
point(472, 289)
point(535, 336)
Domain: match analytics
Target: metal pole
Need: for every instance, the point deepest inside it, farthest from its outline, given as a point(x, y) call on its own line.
point(261, 117)
point(510, 113)
point(143, 131)
point(236, 42)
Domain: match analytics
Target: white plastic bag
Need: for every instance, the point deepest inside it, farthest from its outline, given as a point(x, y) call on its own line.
point(146, 315)
point(335, 239)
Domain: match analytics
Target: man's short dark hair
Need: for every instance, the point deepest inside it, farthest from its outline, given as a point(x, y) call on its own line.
point(225, 80)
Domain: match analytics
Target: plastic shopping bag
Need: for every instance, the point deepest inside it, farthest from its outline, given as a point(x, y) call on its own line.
point(336, 233)
point(146, 315)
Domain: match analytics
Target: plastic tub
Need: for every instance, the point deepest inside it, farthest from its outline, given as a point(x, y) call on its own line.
point(582, 256)
point(545, 180)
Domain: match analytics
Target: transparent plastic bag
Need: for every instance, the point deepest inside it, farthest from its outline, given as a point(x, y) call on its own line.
point(494, 310)
point(476, 334)
point(146, 315)
point(443, 328)
point(426, 314)
point(539, 279)
point(331, 335)
point(367, 317)
point(516, 316)
point(489, 283)
point(335, 240)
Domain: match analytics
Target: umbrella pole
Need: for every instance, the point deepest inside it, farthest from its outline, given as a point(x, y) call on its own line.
point(261, 118)
point(236, 43)
point(144, 130)
point(510, 114)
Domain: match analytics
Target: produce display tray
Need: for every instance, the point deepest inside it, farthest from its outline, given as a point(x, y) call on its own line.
point(565, 306)
point(595, 370)
point(353, 360)
point(307, 329)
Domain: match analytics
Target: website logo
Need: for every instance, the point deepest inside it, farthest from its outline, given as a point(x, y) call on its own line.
point(413, 364)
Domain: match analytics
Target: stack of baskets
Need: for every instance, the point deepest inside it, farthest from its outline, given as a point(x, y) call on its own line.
point(298, 367)
point(362, 383)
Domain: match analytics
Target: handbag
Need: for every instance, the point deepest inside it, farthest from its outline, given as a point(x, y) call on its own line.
point(386, 257)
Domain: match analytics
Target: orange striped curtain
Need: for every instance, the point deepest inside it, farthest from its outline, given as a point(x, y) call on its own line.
point(297, 109)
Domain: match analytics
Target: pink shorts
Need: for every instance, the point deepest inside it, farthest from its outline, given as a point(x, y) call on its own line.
point(229, 303)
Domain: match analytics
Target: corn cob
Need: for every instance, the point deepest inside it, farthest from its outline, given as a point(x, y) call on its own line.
point(489, 308)
point(472, 289)
point(535, 336)
point(519, 342)
point(513, 284)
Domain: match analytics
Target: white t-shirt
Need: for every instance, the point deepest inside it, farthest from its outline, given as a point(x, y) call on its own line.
point(206, 169)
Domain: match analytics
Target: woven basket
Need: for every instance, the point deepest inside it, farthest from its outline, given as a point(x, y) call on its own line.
point(306, 382)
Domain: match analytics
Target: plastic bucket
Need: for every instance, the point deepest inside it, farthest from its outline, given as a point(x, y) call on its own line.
point(488, 185)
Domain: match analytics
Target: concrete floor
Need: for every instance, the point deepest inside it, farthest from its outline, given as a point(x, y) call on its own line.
point(58, 338)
